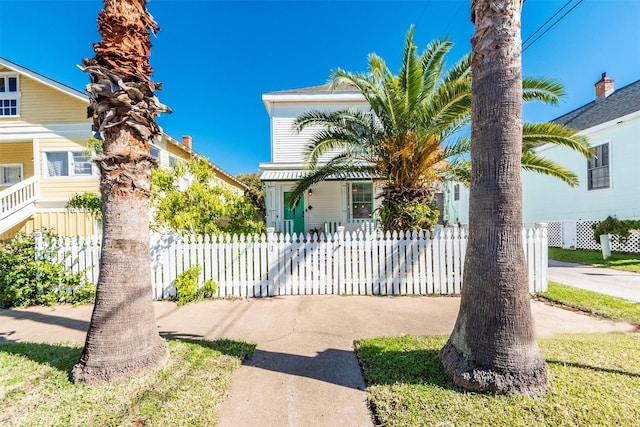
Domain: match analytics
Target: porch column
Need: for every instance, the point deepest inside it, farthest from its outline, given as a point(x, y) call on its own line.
point(36, 157)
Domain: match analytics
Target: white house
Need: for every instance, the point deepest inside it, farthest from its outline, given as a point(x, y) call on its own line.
point(341, 200)
point(608, 182)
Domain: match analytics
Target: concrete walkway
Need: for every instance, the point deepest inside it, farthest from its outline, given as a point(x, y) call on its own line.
point(304, 371)
point(607, 281)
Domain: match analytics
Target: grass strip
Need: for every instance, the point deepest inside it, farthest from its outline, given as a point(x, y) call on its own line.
point(593, 302)
point(618, 261)
point(595, 381)
point(35, 389)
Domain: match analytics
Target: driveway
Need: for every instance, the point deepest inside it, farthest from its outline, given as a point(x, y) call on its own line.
point(607, 281)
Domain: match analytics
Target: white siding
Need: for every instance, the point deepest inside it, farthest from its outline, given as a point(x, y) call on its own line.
point(549, 199)
point(287, 146)
point(327, 203)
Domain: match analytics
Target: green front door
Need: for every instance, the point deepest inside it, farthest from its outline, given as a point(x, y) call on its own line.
point(296, 214)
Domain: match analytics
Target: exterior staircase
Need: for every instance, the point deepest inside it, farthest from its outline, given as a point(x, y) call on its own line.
point(17, 202)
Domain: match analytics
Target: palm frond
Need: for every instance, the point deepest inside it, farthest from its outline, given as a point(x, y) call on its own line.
point(323, 173)
point(544, 89)
point(461, 70)
point(537, 134)
point(451, 102)
point(351, 129)
point(410, 74)
point(459, 171)
point(535, 163)
point(460, 146)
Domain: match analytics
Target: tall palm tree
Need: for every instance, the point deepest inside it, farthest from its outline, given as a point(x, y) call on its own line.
point(408, 137)
point(399, 141)
point(123, 339)
point(492, 347)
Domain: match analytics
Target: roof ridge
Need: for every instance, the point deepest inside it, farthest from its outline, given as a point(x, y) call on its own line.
point(621, 102)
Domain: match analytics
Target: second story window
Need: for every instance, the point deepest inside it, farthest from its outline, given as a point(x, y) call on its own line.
point(456, 192)
point(598, 168)
point(154, 152)
point(9, 95)
point(67, 163)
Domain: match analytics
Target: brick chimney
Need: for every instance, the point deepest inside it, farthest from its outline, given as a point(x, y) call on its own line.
point(186, 141)
point(604, 87)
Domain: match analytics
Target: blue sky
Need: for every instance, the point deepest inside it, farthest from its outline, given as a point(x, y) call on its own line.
point(217, 58)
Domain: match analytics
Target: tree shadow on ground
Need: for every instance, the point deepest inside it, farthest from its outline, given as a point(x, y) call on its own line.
point(63, 357)
point(46, 319)
point(334, 366)
point(592, 368)
point(59, 356)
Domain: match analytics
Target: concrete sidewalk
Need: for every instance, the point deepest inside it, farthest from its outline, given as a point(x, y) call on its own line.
point(607, 281)
point(304, 371)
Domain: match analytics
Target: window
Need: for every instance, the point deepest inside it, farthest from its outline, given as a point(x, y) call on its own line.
point(9, 95)
point(598, 168)
point(172, 161)
point(82, 164)
point(362, 200)
point(154, 152)
point(10, 174)
point(456, 192)
point(67, 163)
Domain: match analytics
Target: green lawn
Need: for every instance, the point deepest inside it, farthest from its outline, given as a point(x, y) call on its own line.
point(35, 389)
point(625, 262)
point(593, 302)
point(595, 382)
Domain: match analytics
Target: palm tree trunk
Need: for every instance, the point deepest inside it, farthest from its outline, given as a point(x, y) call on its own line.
point(123, 339)
point(492, 347)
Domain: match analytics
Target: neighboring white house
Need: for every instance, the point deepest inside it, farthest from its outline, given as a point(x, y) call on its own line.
point(608, 182)
point(342, 200)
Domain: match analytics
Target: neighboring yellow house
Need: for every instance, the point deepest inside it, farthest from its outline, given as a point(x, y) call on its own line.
point(43, 131)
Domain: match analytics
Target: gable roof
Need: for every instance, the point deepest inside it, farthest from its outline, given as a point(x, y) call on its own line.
point(322, 93)
point(44, 80)
point(83, 97)
point(620, 103)
point(325, 88)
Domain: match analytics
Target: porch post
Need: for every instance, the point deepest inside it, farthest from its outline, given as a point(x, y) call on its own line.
point(36, 157)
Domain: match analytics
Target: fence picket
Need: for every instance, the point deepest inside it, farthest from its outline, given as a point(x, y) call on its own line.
point(457, 278)
point(448, 237)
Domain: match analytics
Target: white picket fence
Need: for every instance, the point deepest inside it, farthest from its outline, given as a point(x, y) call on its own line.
point(343, 263)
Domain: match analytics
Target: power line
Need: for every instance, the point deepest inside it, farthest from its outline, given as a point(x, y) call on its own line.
point(550, 27)
point(453, 17)
point(547, 21)
point(426, 4)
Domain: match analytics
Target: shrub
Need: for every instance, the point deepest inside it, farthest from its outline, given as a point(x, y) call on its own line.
point(619, 229)
point(407, 215)
point(30, 278)
point(188, 289)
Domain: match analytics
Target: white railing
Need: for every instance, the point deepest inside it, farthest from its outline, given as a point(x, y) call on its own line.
point(344, 263)
point(17, 197)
